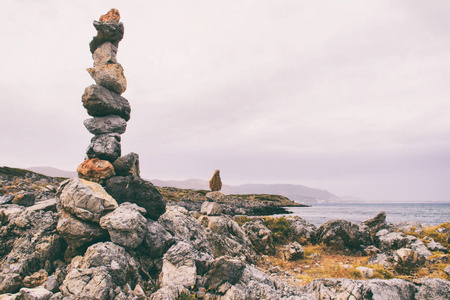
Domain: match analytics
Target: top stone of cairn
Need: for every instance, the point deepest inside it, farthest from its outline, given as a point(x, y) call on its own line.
point(215, 184)
point(111, 16)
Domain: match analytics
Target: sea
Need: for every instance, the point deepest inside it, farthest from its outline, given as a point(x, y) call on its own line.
point(429, 213)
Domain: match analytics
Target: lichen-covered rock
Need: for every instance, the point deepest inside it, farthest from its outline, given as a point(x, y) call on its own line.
point(292, 251)
point(105, 146)
point(224, 269)
point(139, 191)
point(102, 273)
point(211, 208)
point(303, 229)
point(85, 199)
point(107, 124)
point(408, 258)
point(226, 237)
point(77, 232)
point(178, 222)
point(366, 272)
point(105, 54)
point(391, 240)
point(435, 246)
point(433, 288)
point(37, 293)
point(157, 240)
point(126, 225)
point(100, 102)
point(418, 246)
point(24, 199)
point(215, 196)
point(260, 236)
point(35, 279)
point(96, 170)
point(127, 165)
point(110, 76)
point(215, 183)
point(181, 265)
point(376, 223)
point(168, 292)
point(339, 234)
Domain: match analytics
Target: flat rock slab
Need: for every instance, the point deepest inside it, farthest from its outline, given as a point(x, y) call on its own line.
point(100, 102)
point(108, 124)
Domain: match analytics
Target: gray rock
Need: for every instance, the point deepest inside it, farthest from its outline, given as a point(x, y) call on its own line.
point(418, 246)
point(110, 76)
point(384, 259)
point(374, 289)
point(434, 288)
point(57, 296)
point(366, 272)
point(139, 191)
point(108, 124)
point(292, 251)
point(37, 293)
point(105, 54)
point(223, 270)
point(408, 258)
point(100, 102)
point(376, 223)
point(371, 250)
point(157, 240)
point(408, 226)
point(215, 196)
point(303, 229)
point(85, 199)
point(391, 240)
point(226, 237)
point(260, 236)
point(447, 270)
point(169, 292)
point(105, 146)
point(102, 273)
point(211, 208)
point(182, 263)
point(106, 32)
point(127, 165)
point(126, 225)
point(5, 199)
point(177, 221)
point(339, 234)
point(24, 199)
point(435, 246)
point(51, 284)
point(46, 205)
point(77, 232)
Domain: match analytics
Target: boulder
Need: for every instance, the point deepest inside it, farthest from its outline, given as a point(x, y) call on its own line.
point(35, 279)
point(366, 272)
point(384, 259)
point(339, 234)
point(77, 232)
point(260, 236)
point(433, 288)
point(109, 76)
point(139, 191)
point(105, 54)
point(215, 196)
point(37, 293)
point(172, 291)
point(102, 273)
point(24, 199)
point(418, 246)
point(226, 237)
point(407, 258)
point(292, 251)
point(106, 32)
point(157, 240)
point(178, 222)
point(100, 102)
point(215, 184)
point(376, 223)
point(105, 146)
point(435, 246)
point(303, 229)
point(107, 124)
point(182, 263)
point(224, 270)
point(211, 208)
point(391, 240)
point(96, 170)
point(408, 226)
point(127, 165)
point(126, 225)
point(85, 199)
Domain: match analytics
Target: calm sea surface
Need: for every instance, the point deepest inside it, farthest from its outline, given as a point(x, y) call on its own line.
point(430, 213)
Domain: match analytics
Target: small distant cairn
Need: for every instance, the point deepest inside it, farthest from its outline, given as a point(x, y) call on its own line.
point(109, 110)
point(211, 207)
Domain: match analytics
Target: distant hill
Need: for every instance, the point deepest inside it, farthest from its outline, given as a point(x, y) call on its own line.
point(297, 193)
point(53, 172)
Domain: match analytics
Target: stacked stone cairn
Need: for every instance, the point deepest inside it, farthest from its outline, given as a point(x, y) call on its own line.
point(109, 200)
point(210, 207)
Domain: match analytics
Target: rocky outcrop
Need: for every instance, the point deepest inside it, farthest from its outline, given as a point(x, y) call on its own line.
point(292, 251)
point(376, 223)
point(340, 234)
point(215, 183)
point(303, 229)
point(391, 240)
point(260, 236)
point(211, 208)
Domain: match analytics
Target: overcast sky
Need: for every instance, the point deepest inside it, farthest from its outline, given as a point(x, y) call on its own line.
point(347, 96)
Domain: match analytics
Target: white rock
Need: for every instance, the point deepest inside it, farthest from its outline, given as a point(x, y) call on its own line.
point(211, 208)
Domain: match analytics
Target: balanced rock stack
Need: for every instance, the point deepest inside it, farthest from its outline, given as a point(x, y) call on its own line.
point(210, 207)
point(109, 200)
point(103, 101)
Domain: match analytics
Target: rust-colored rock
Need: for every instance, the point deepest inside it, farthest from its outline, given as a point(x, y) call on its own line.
point(112, 15)
point(215, 184)
point(96, 170)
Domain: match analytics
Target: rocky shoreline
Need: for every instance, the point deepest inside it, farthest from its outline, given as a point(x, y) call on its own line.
point(186, 253)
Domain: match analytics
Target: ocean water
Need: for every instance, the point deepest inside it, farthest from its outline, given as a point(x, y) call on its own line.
point(430, 213)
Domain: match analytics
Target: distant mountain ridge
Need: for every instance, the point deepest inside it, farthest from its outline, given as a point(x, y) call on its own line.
point(294, 192)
